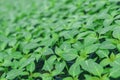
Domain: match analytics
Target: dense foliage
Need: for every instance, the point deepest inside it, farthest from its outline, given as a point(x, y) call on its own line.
point(59, 39)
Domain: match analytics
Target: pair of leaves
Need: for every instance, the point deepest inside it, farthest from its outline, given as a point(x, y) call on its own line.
point(59, 67)
point(48, 65)
point(66, 51)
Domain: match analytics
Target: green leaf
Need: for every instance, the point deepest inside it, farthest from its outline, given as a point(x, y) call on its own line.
point(48, 65)
point(118, 47)
point(117, 21)
point(107, 45)
point(82, 34)
point(103, 14)
point(105, 62)
point(47, 51)
point(25, 73)
point(106, 29)
point(105, 77)
point(26, 47)
point(13, 74)
point(71, 53)
point(59, 66)
point(26, 62)
point(2, 45)
point(12, 41)
point(16, 55)
point(68, 34)
point(4, 38)
point(65, 46)
point(89, 40)
point(7, 63)
point(112, 56)
point(58, 51)
point(65, 34)
point(27, 35)
point(78, 45)
point(46, 42)
point(91, 48)
point(102, 53)
point(35, 75)
point(115, 70)
point(107, 22)
point(116, 33)
point(116, 62)
point(31, 67)
point(92, 67)
point(46, 76)
point(75, 70)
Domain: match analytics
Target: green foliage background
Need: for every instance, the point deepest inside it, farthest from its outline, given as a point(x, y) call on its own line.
point(59, 39)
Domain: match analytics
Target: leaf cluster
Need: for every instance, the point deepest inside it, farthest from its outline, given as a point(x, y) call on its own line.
point(59, 39)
